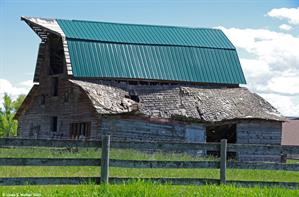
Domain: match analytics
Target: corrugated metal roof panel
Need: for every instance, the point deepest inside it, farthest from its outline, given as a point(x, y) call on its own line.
point(175, 63)
point(145, 34)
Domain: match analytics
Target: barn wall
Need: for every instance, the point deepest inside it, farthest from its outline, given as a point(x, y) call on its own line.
point(139, 129)
point(259, 132)
point(36, 121)
point(70, 106)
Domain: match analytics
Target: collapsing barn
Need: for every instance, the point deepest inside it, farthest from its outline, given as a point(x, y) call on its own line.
point(142, 82)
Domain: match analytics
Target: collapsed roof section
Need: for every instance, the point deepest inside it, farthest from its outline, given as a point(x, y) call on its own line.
point(143, 52)
point(195, 103)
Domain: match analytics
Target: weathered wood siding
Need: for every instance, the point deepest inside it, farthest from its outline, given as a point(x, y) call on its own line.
point(259, 132)
point(36, 121)
point(70, 106)
point(139, 129)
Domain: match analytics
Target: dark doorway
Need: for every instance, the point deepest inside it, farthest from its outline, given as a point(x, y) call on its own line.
point(54, 123)
point(80, 130)
point(55, 86)
point(216, 133)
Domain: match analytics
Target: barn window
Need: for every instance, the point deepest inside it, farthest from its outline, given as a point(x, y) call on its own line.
point(54, 123)
point(42, 99)
point(66, 96)
point(80, 130)
point(55, 86)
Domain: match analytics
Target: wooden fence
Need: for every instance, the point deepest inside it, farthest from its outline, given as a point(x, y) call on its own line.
point(105, 162)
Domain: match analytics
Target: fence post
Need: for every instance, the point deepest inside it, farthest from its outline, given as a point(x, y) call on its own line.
point(105, 159)
point(223, 156)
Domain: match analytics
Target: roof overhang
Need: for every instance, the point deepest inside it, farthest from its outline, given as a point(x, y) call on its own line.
point(43, 27)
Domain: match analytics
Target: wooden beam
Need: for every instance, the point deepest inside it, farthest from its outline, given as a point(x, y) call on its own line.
point(49, 162)
point(223, 158)
point(263, 166)
point(267, 149)
point(105, 159)
point(48, 143)
point(141, 145)
point(143, 163)
point(165, 145)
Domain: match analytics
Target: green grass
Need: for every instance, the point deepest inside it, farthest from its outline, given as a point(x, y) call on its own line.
point(292, 161)
point(126, 154)
point(140, 188)
point(73, 171)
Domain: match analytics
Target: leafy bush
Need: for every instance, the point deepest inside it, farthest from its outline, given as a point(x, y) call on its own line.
point(8, 125)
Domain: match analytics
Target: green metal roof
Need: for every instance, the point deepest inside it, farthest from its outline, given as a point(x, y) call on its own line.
point(111, 50)
point(145, 34)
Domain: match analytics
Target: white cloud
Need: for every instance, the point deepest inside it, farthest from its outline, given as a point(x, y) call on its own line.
point(13, 91)
point(278, 50)
point(273, 67)
point(285, 27)
point(27, 83)
point(288, 84)
point(257, 73)
point(287, 104)
point(290, 14)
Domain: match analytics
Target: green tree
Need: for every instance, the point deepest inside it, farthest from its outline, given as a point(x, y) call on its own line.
point(8, 126)
point(18, 102)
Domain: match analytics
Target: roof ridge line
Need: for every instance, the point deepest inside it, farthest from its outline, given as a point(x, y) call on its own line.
point(139, 24)
point(146, 44)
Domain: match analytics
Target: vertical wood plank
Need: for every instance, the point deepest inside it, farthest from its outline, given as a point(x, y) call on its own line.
point(223, 156)
point(105, 159)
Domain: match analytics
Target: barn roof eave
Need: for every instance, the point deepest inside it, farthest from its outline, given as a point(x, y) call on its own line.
point(26, 103)
point(43, 27)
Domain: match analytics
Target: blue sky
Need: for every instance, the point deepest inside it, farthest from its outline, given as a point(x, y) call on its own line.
point(238, 19)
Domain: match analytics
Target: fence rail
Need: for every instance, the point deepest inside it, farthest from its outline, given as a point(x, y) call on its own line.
point(144, 163)
point(105, 162)
point(18, 142)
point(163, 145)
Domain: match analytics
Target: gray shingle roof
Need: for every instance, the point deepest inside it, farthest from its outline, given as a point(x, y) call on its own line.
point(177, 101)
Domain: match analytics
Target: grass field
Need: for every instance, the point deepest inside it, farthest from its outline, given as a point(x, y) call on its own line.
point(139, 188)
point(146, 189)
point(95, 153)
point(232, 174)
